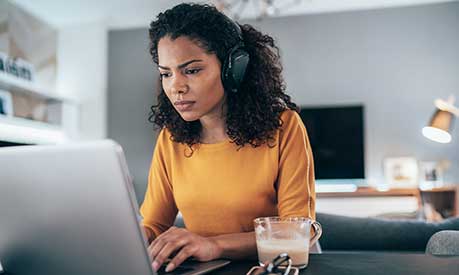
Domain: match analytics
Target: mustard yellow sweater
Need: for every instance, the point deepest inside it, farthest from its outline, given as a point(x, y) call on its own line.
point(220, 189)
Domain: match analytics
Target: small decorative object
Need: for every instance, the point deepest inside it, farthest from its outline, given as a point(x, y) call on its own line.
point(431, 175)
point(3, 58)
point(6, 103)
point(16, 67)
point(401, 172)
point(25, 69)
point(28, 107)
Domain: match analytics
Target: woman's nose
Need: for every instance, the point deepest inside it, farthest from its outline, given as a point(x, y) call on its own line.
point(179, 85)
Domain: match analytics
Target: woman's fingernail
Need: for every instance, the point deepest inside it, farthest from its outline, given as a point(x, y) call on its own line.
point(155, 265)
point(170, 267)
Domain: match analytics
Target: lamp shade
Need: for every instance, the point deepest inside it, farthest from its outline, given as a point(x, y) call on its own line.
point(440, 126)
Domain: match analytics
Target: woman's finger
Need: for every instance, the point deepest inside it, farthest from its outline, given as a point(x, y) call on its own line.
point(154, 249)
point(163, 235)
point(160, 242)
point(167, 250)
point(184, 253)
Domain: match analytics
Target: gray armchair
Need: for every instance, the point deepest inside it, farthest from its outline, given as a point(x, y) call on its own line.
point(350, 233)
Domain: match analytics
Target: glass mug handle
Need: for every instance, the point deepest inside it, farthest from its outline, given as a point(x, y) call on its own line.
point(317, 232)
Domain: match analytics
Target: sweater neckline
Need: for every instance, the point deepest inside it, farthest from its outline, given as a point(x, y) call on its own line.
point(219, 145)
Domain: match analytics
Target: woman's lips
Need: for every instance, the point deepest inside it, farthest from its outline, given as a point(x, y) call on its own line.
point(184, 105)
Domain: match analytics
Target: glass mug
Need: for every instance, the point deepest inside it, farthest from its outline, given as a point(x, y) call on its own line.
point(292, 235)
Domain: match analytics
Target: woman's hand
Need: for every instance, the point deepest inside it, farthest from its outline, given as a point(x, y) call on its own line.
point(185, 244)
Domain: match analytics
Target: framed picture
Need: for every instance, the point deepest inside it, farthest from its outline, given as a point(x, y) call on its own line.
point(401, 172)
point(431, 174)
point(6, 103)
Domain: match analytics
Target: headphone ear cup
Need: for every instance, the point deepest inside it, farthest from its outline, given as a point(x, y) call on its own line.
point(224, 74)
point(234, 68)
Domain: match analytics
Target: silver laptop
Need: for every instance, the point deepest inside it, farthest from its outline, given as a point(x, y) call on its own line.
point(71, 209)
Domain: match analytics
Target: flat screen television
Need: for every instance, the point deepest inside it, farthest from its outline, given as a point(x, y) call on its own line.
point(336, 135)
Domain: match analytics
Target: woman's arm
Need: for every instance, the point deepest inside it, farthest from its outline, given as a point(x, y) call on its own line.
point(158, 208)
point(295, 182)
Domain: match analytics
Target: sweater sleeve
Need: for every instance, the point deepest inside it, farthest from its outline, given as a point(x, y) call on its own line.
point(295, 182)
point(159, 209)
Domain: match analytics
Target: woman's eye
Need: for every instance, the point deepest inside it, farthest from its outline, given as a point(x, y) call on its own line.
point(164, 75)
point(192, 71)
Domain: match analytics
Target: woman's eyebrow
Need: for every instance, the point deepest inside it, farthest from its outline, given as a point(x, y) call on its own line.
point(181, 65)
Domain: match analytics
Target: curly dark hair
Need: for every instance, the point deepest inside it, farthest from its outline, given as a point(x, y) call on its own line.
point(254, 111)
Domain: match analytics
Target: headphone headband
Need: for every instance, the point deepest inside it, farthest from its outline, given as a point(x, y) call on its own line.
point(237, 28)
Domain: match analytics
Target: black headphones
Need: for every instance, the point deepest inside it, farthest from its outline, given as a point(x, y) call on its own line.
point(235, 64)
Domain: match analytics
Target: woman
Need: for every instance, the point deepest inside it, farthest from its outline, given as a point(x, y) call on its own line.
point(231, 147)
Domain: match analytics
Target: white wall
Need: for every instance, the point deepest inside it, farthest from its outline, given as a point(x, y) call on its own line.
point(82, 74)
point(394, 61)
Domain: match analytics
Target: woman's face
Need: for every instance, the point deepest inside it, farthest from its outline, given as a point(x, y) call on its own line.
point(190, 78)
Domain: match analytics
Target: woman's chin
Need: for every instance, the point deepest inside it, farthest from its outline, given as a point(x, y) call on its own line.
point(188, 117)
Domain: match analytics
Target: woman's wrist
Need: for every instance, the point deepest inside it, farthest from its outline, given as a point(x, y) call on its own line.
point(149, 234)
point(235, 246)
point(218, 247)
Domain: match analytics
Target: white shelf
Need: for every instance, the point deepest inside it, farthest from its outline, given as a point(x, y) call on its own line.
point(15, 84)
point(20, 130)
point(27, 131)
